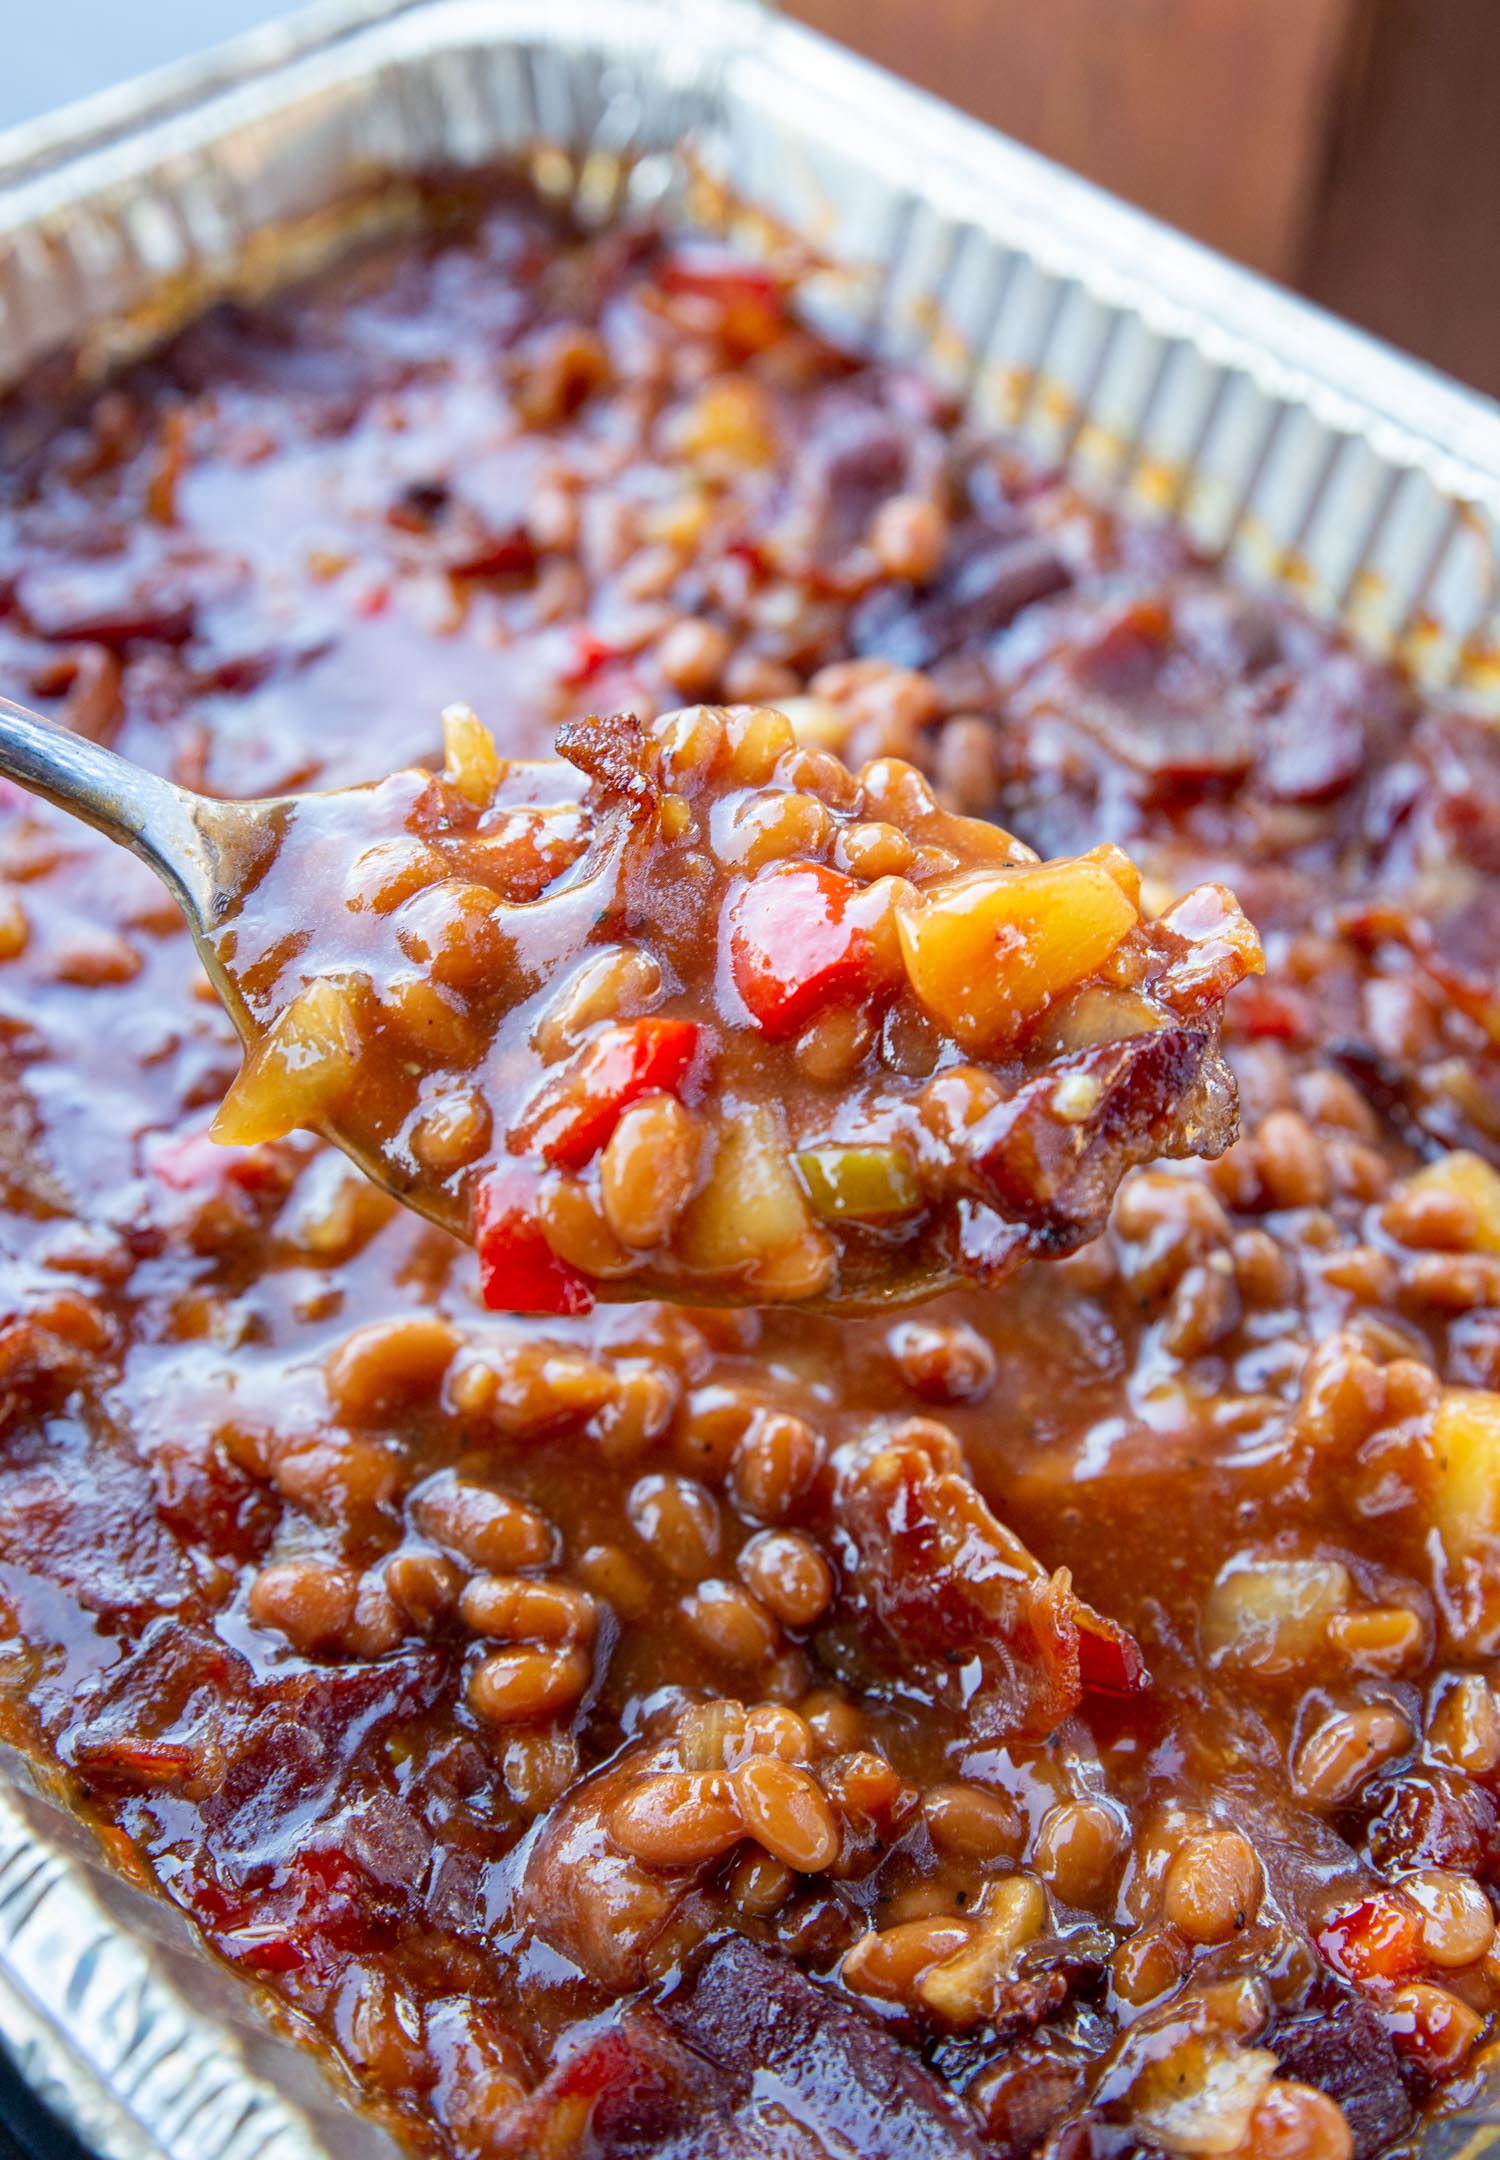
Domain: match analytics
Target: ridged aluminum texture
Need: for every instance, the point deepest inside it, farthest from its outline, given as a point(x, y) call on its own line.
point(1309, 453)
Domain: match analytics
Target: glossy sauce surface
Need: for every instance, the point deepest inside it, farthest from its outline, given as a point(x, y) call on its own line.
point(1062, 1720)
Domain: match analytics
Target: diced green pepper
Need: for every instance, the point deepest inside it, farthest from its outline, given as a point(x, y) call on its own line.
point(859, 1184)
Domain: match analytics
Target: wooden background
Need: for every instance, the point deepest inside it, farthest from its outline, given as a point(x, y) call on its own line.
point(1348, 147)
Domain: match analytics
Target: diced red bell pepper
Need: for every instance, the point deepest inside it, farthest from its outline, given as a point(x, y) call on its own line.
point(575, 1112)
point(589, 657)
point(718, 274)
point(518, 1270)
point(792, 947)
point(1271, 1015)
point(1378, 1940)
point(189, 1161)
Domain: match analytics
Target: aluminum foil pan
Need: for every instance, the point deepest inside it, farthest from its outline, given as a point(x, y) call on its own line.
point(1311, 454)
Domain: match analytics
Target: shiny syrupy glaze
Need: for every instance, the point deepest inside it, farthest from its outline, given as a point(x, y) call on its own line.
point(1057, 1720)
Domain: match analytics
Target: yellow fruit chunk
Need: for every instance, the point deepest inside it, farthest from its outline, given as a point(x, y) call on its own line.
point(752, 1214)
point(1466, 1442)
point(986, 954)
point(728, 425)
point(296, 1074)
point(1470, 1178)
point(471, 763)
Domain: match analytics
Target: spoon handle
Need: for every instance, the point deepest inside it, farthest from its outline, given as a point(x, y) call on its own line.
point(167, 826)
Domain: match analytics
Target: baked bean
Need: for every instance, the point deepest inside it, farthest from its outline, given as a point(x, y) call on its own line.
point(834, 1721)
point(648, 1170)
point(1077, 1843)
point(1213, 1887)
point(538, 1764)
point(514, 1609)
point(310, 1603)
point(611, 1576)
point(760, 1885)
point(513, 1687)
point(966, 767)
point(678, 1519)
point(709, 1430)
point(453, 932)
point(337, 1478)
point(767, 828)
point(378, 1623)
point(482, 1526)
point(910, 537)
point(1148, 1964)
point(943, 1362)
point(677, 1819)
point(1458, 1925)
point(866, 1788)
point(1435, 1217)
point(95, 960)
point(1297, 2122)
point(452, 1130)
point(1292, 1166)
point(1334, 1761)
point(693, 656)
point(789, 1575)
point(774, 1463)
point(1464, 1727)
point(967, 1823)
point(636, 1413)
point(424, 1585)
point(1204, 1308)
point(1433, 2030)
point(874, 851)
point(889, 1962)
point(388, 1367)
point(578, 1231)
point(756, 679)
point(757, 738)
point(728, 1623)
point(1381, 1640)
point(619, 982)
point(835, 1046)
point(965, 1988)
point(785, 1810)
point(390, 871)
point(776, 1729)
point(1167, 1223)
point(528, 1388)
point(380, 2029)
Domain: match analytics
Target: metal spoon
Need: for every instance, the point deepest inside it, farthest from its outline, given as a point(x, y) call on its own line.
point(210, 854)
point(205, 852)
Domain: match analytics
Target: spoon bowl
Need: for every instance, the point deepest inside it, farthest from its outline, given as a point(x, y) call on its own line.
point(689, 1011)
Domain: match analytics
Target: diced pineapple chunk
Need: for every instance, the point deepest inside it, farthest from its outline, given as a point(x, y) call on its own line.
point(1467, 1177)
point(471, 763)
point(1466, 1443)
point(297, 1073)
point(988, 953)
point(751, 1213)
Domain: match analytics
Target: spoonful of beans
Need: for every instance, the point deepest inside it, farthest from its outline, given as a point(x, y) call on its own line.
point(689, 1011)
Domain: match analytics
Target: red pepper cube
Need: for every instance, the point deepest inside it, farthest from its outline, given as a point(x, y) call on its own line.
point(574, 1113)
point(793, 948)
point(518, 1270)
point(1377, 1941)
